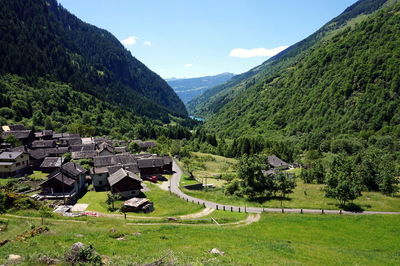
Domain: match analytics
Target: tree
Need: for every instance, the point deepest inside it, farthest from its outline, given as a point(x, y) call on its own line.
point(253, 182)
point(13, 141)
point(284, 184)
point(111, 198)
point(133, 147)
point(388, 181)
point(189, 165)
point(342, 183)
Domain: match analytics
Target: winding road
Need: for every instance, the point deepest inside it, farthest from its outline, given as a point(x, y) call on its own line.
point(176, 177)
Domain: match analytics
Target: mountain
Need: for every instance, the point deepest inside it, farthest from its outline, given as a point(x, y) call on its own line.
point(41, 39)
point(340, 83)
point(215, 98)
point(187, 89)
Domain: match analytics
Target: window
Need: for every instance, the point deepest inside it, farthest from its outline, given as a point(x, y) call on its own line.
point(100, 182)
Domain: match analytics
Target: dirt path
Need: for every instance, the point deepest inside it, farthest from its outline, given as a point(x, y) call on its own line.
point(203, 213)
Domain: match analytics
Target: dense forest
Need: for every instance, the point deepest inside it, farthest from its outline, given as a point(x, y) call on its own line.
point(42, 104)
point(215, 98)
point(40, 39)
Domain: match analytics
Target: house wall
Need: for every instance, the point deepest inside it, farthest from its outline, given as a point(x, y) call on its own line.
point(130, 193)
point(100, 181)
point(151, 171)
point(19, 167)
point(105, 153)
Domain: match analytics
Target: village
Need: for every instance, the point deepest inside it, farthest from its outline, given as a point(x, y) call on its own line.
point(111, 167)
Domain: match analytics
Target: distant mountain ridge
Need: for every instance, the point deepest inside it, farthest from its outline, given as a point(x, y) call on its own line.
point(39, 38)
point(189, 88)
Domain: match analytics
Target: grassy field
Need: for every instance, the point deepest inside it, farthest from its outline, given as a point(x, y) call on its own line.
point(165, 204)
point(38, 176)
point(214, 166)
point(276, 239)
point(306, 196)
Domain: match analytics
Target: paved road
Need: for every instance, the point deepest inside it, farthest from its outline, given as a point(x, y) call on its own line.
point(176, 177)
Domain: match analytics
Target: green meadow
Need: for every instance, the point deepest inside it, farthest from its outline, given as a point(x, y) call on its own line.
point(275, 239)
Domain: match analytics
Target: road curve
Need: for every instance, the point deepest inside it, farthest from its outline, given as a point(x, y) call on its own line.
point(176, 177)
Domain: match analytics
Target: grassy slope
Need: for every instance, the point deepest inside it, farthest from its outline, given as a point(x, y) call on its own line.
point(305, 196)
point(165, 204)
point(276, 239)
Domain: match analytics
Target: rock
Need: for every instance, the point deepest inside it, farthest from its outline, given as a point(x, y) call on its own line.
point(121, 238)
point(79, 235)
point(13, 258)
point(49, 261)
point(172, 219)
point(216, 251)
point(113, 230)
point(76, 248)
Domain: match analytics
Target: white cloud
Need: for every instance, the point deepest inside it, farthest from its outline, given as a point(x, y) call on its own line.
point(131, 40)
point(147, 43)
point(188, 65)
point(244, 53)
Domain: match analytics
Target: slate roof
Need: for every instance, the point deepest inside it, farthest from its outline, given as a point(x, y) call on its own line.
point(57, 151)
point(83, 154)
point(150, 163)
point(21, 134)
point(72, 169)
point(71, 141)
point(83, 147)
point(19, 148)
point(129, 167)
point(43, 144)
point(52, 162)
point(98, 170)
point(120, 149)
point(275, 162)
point(110, 160)
point(121, 174)
point(145, 144)
point(44, 133)
point(38, 154)
point(61, 178)
point(10, 155)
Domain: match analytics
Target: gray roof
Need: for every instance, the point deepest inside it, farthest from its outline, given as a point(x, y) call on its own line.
point(129, 167)
point(121, 174)
point(275, 162)
point(110, 160)
point(61, 178)
point(150, 163)
point(83, 147)
point(58, 151)
point(19, 148)
point(38, 154)
point(83, 154)
point(120, 149)
point(20, 134)
point(52, 162)
point(98, 170)
point(10, 155)
point(72, 169)
point(43, 133)
point(43, 144)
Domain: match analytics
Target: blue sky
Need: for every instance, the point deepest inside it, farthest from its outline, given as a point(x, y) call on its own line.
point(193, 38)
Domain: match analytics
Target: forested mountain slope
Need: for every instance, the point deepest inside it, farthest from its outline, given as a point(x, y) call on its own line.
point(214, 99)
point(39, 38)
point(189, 88)
point(346, 85)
